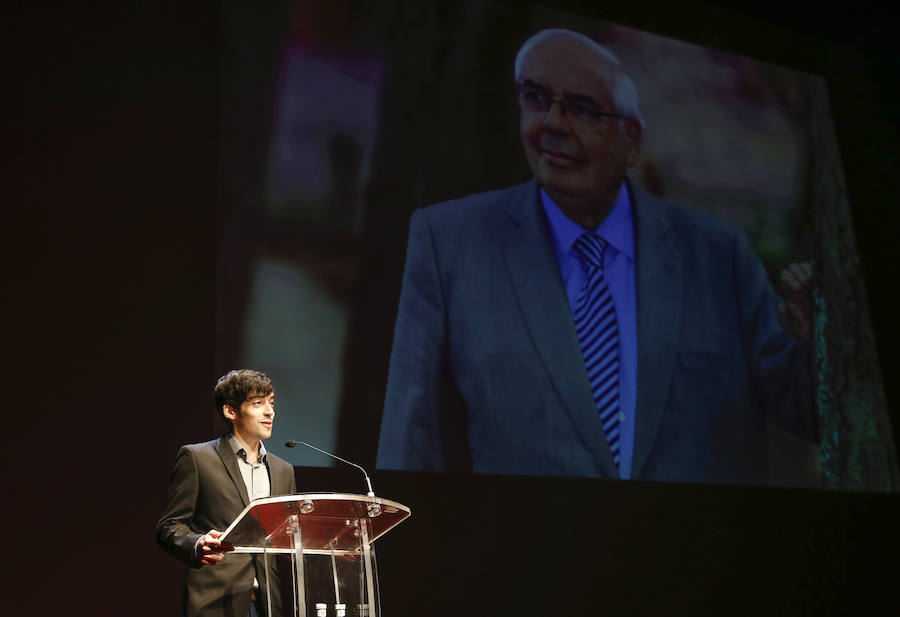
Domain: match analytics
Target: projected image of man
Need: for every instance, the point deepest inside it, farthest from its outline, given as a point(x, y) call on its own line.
point(576, 325)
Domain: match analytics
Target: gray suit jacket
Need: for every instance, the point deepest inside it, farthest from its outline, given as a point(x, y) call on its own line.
point(486, 373)
point(207, 491)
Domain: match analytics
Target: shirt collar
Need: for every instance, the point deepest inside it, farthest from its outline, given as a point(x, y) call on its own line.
point(238, 447)
point(617, 229)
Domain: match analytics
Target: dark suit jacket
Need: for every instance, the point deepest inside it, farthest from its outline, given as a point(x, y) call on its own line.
point(487, 375)
point(207, 491)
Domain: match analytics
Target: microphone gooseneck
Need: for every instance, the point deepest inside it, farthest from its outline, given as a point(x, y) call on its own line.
point(290, 443)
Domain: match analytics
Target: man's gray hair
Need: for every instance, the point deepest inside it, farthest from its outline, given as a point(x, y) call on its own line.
point(625, 96)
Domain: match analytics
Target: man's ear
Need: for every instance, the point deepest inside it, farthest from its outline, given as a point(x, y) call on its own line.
point(229, 412)
point(635, 134)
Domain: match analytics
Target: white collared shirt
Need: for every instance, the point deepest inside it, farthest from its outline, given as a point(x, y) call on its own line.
point(256, 475)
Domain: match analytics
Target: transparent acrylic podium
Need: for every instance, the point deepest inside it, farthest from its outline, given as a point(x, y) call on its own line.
point(329, 539)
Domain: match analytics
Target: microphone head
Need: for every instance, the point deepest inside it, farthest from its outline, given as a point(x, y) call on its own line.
point(290, 443)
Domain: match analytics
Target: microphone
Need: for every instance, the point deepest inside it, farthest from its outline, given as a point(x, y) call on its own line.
point(290, 443)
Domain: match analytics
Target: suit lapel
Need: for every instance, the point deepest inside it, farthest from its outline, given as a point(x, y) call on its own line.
point(658, 268)
point(231, 466)
point(536, 279)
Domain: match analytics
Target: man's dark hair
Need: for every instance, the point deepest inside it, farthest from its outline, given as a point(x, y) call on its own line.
point(237, 386)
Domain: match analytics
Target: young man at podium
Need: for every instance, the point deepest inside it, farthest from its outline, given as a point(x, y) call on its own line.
point(211, 484)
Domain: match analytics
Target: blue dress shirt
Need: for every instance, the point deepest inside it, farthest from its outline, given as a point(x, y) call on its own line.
point(618, 269)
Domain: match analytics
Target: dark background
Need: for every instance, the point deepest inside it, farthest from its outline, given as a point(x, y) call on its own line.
point(109, 247)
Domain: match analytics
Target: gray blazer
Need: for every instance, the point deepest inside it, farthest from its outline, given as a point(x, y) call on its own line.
point(207, 491)
point(486, 373)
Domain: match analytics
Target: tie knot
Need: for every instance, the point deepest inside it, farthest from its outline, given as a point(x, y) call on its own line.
point(590, 247)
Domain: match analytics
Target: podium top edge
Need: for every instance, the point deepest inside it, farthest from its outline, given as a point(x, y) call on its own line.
point(328, 497)
point(269, 514)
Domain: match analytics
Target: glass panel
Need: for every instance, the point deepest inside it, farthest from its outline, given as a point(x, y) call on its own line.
point(333, 574)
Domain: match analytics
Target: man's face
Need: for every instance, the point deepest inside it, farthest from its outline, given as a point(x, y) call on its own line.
point(573, 159)
point(254, 420)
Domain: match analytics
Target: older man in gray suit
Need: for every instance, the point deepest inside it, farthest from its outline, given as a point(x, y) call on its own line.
point(212, 483)
point(578, 326)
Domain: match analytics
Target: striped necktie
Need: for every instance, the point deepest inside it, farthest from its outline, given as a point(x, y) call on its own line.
point(598, 335)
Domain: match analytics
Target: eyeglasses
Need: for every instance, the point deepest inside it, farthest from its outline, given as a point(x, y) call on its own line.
point(580, 109)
